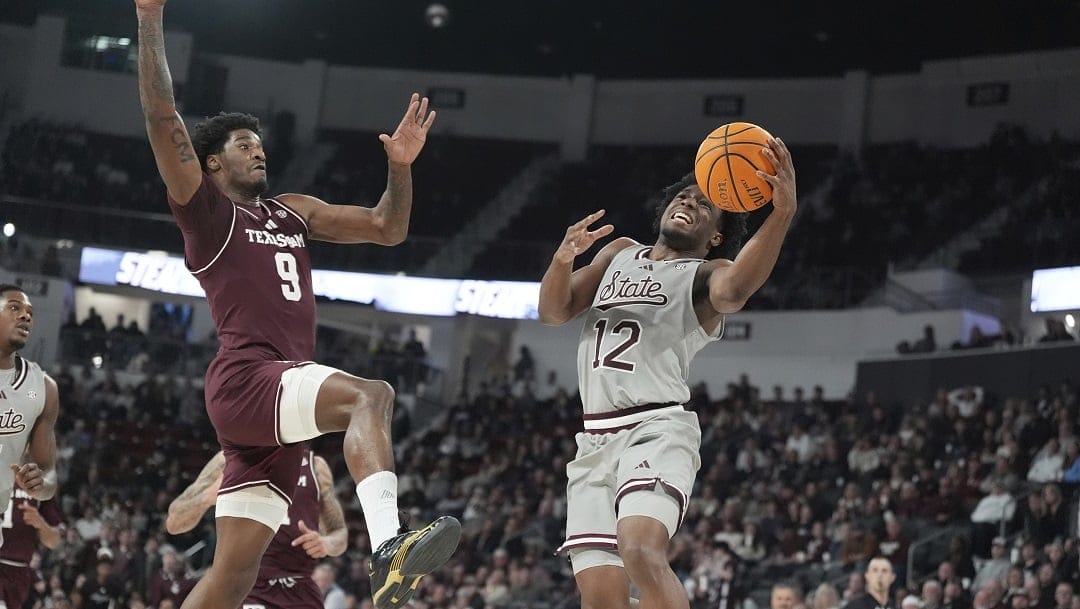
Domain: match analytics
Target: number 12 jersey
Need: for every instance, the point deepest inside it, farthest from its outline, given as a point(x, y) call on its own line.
point(640, 334)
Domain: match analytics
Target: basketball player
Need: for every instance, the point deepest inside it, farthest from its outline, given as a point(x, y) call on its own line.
point(29, 404)
point(284, 580)
point(25, 522)
point(263, 395)
point(649, 310)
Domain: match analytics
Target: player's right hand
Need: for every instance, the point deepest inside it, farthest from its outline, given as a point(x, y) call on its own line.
point(579, 238)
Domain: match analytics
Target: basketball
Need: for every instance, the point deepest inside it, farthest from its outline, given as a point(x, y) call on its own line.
point(725, 166)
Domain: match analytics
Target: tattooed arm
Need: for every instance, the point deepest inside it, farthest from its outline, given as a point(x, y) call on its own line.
point(169, 138)
point(186, 510)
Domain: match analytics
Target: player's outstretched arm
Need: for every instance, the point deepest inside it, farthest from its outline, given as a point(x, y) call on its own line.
point(37, 476)
point(732, 284)
point(564, 292)
point(175, 156)
point(188, 508)
point(388, 222)
point(331, 538)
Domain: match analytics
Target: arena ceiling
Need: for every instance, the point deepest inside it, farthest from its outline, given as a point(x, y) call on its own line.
point(610, 38)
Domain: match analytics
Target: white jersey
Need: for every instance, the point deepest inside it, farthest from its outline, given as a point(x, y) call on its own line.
point(22, 398)
point(639, 336)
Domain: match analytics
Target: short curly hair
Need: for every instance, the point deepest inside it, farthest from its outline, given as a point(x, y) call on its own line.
point(210, 135)
point(730, 224)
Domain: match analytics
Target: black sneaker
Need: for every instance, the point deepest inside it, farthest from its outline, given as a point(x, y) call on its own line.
point(400, 562)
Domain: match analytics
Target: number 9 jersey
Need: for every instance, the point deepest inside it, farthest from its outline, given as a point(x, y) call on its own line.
point(639, 337)
point(253, 263)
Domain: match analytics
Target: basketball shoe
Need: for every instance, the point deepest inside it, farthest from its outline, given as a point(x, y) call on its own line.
point(399, 563)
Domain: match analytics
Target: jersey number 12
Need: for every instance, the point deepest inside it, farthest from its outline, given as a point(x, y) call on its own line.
point(610, 359)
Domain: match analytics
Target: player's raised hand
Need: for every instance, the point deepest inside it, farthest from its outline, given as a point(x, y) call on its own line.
point(783, 183)
point(408, 139)
point(311, 541)
point(29, 477)
point(32, 516)
point(579, 238)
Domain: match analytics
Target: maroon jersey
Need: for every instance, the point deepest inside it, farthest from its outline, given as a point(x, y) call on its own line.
point(21, 539)
point(282, 559)
point(252, 261)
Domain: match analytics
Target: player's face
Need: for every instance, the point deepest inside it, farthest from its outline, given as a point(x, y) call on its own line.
point(879, 576)
point(689, 221)
point(16, 319)
point(244, 162)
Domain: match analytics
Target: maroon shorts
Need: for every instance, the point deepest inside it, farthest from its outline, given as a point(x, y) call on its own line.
point(15, 585)
point(242, 398)
point(284, 593)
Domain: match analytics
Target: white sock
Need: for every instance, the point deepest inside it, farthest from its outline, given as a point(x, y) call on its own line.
point(378, 499)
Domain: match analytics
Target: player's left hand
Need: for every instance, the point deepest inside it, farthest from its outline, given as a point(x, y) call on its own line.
point(29, 477)
point(408, 140)
point(32, 516)
point(783, 183)
point(311, 541)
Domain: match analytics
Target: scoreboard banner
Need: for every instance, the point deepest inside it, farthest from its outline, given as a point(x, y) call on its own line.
point(167, 274)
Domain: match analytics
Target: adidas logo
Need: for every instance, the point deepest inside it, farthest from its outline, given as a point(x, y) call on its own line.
point(647, 267)
point(270, 225)
point(643, 465)
point(386, 495)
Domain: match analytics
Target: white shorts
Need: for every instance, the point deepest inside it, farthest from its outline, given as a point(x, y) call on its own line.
point(647, 470)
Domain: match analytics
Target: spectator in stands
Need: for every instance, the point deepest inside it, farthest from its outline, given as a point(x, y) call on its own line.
point(173, 582)
point(989, 514)
point(932, 594)
point(954, 597)
point(968, 400)
point(325, 577)
point(913, 602)
point(785, 595)
point(1046, 578)
point(926, 344)
point(879, 579)
point(1048, 463)
point(996, 568)
point(1055, 331)
point(102, 590)
point(1056, 518)
point(1063, 596)
point(825, 597)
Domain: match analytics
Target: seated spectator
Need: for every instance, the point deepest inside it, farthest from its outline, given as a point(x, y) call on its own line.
point(932, 594)
point(988, 515)
point(1048, 463)
point(967, 400)
point(926, 344)
point(996, 568)
point(1055, 331)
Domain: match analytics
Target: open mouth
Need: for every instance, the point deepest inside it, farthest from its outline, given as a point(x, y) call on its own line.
point(683, 217)
point(23, 329)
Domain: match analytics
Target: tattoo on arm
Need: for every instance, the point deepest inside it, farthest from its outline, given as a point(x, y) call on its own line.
point(186, 510)
point(395, 206)
point(331, 517)
point(179, 138)
point(156, 87)
point(154, 78)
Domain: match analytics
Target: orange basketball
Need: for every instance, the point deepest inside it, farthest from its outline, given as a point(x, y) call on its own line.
point(725, 166)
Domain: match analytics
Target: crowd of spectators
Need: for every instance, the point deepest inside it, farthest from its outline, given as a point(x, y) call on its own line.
point(895, 203)
point(792, 486)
